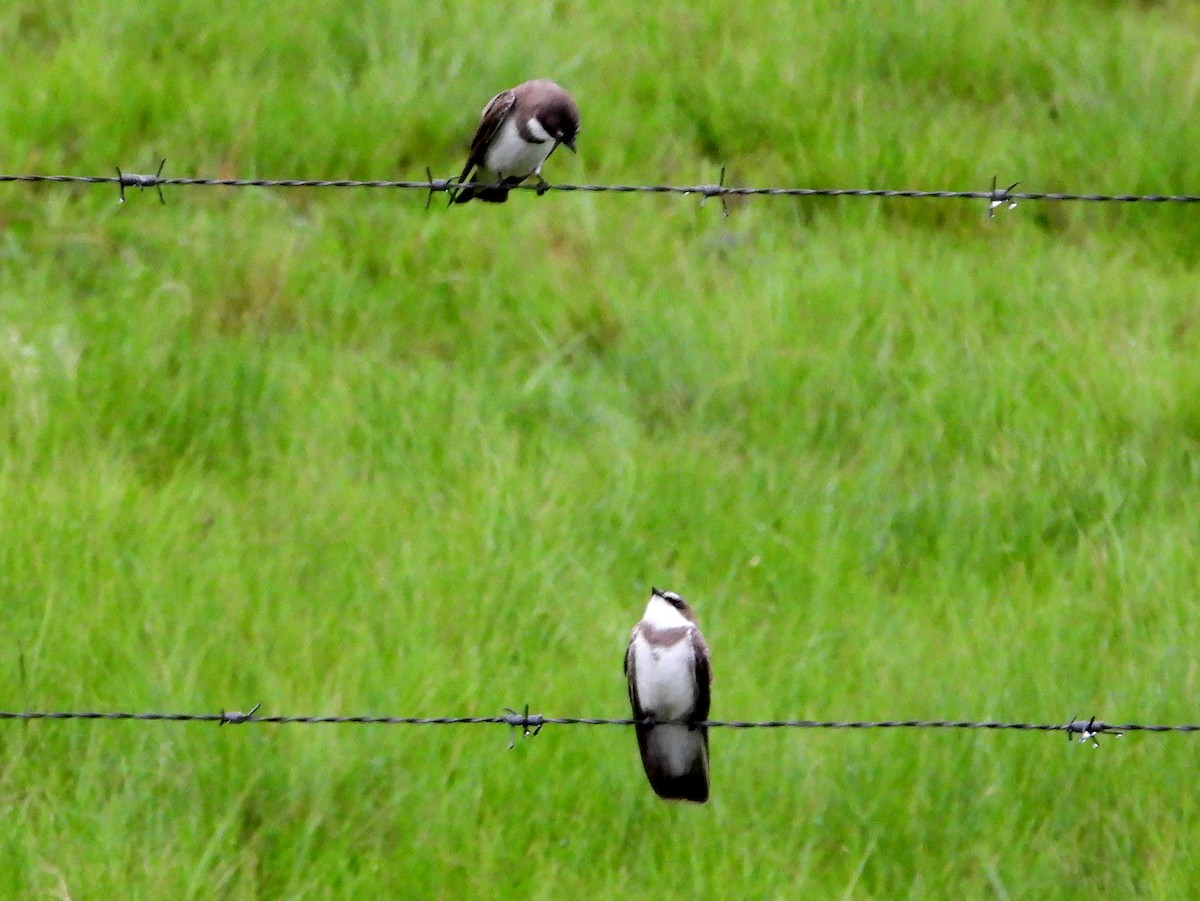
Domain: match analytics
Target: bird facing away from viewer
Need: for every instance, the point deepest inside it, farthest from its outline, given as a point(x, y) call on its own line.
point(518, 131)
point(668, 668)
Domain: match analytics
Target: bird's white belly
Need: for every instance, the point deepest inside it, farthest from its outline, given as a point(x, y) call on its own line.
point(509, 154)
point(666, 679)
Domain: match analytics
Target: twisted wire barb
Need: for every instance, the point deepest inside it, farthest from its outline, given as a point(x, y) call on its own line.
point(533, 722)
point(722, 191)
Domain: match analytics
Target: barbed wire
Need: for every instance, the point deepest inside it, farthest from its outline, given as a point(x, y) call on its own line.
point(997, 197)
point(532, 723)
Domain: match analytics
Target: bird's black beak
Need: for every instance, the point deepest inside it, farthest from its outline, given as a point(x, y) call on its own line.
point(569, 144)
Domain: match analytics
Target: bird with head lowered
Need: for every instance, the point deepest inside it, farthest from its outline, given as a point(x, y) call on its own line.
point(517, 132)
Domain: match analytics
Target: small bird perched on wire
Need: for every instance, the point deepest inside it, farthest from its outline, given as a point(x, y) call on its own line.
point(669, 671)
point(518, 131)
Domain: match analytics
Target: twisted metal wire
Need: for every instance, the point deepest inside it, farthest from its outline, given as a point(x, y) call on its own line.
point(532, 722)
point(438, 185)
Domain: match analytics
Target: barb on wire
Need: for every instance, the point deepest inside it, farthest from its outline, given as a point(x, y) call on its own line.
point(438, 185)
point(532, 723)
point(133, 180)
point(529, 725)
point(717, 190)
point(1001, 197)
point(1091, 730)
point(234, 717)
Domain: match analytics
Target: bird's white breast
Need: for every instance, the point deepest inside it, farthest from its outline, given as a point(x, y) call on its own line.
point(510, 154)
point(666, 677)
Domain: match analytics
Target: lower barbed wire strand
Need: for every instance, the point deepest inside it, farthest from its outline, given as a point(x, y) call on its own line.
point(710, 190)
point(537, 720)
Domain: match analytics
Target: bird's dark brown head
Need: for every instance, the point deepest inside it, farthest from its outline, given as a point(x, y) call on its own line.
point(562, 123)
point(556, 110)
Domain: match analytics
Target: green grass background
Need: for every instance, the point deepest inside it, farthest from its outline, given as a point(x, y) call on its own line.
point(336, 453)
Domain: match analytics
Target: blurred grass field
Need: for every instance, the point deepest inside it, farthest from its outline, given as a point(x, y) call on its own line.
point(336, 453)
